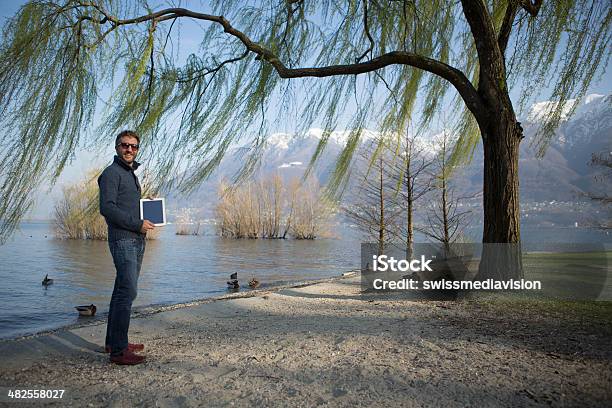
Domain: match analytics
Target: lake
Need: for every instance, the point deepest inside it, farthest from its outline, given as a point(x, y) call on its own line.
point(176, 269)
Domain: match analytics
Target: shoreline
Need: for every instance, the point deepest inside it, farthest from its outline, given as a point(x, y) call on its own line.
point(148, 310)
point(145, 310)
point(327, 344)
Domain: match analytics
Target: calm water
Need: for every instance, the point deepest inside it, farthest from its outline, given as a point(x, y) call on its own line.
point(175, 269)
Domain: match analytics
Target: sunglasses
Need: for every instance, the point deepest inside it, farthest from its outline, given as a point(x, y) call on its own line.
point(127, 145)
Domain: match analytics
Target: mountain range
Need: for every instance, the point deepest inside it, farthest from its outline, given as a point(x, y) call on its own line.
point(563, 174)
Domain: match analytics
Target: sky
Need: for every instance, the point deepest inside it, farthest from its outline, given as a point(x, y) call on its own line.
point(87, 159)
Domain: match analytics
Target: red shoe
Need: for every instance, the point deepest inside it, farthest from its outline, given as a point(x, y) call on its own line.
point(131, 347)
point(127, 358)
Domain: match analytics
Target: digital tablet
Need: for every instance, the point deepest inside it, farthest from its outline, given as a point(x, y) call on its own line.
point(153, 210)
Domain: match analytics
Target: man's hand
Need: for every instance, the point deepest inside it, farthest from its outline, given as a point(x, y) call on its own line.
point(147, 226)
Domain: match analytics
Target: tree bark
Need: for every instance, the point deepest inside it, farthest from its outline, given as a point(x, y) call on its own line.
point(382, 226)
point(501, 256)
point(501, 136)
point(445, 228)
point(409, 230)
point(410, 199)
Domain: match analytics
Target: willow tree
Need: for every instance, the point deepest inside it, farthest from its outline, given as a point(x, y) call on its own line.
point(367, 60)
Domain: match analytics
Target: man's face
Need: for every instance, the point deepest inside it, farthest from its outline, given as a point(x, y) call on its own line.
point(125, 149)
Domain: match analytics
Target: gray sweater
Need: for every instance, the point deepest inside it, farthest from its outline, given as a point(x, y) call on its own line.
point(120, 200)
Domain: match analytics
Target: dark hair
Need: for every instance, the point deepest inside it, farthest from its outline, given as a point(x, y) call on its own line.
point(130, 133)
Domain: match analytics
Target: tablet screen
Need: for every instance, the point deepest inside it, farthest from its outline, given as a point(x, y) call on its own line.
point(153, 210)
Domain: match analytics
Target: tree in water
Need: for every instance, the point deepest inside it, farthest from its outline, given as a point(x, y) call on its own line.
point(366, 59)
point(273, 209)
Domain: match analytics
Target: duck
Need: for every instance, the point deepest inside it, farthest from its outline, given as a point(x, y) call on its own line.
point(233, 282)
point(253, 283)
point(87, 310)
point(47, 281)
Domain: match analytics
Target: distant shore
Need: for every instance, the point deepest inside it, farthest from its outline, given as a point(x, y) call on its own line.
point(327, 344)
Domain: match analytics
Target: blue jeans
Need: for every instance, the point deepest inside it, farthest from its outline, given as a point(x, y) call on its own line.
point(127, 256)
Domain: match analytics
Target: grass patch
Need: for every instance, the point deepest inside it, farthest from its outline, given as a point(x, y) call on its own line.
point(525, 305)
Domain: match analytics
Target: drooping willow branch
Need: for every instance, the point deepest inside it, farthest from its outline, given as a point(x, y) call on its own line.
point(451, 74)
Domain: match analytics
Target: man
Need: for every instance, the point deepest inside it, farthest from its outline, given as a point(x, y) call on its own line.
point(120, 206)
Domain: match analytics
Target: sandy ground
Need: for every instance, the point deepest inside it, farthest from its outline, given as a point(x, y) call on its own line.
point(325, 345)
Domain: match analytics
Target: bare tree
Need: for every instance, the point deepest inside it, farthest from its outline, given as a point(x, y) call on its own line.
point(412, 176)
point(293, 191)
point(374, 209)
point(446, 218)
point(257, 209)
point(603, 162)
point(310, 211)
point(77, 212)
point(188, 222)
point(270, 195)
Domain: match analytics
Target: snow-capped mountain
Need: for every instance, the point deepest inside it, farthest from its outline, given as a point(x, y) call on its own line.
point(594, 116)
point(290, 155)
point(591, 106)
point(283, 142)
point(540, 110)
point(562, 174)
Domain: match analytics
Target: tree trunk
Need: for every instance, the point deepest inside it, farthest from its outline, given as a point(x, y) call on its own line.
point(409, 231)
point(410, 196)
point(445, 227)
point(381, 229)
point(501, 256)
